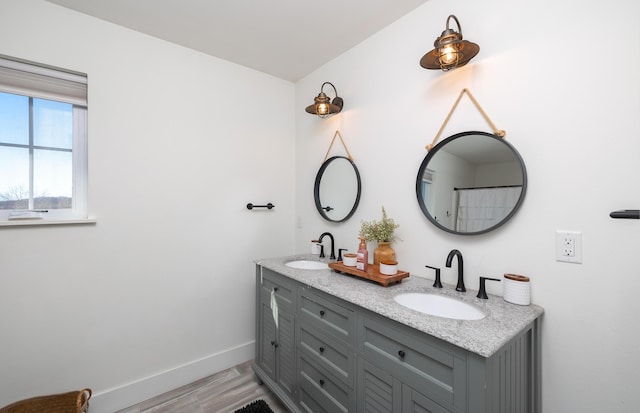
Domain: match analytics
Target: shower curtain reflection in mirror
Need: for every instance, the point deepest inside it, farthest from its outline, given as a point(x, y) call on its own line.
point(477, 209)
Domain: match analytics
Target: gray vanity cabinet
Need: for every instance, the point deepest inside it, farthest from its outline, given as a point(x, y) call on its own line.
point(330, 355)
point(275, 345)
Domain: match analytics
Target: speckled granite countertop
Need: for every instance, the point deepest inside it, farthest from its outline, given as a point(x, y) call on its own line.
point(484, 337)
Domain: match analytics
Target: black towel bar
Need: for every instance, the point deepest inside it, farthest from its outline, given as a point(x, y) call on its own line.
point(626, 214)
point(268, 206)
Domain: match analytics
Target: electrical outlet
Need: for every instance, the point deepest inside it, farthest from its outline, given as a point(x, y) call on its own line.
point(569, 246)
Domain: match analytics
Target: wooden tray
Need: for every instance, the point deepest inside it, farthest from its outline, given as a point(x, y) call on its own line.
point(372, 273)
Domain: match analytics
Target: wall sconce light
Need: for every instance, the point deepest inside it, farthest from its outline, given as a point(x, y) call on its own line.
point(450, 50)
point(323, 106)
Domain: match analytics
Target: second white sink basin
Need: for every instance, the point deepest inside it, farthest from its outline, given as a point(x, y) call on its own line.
point(307, 265)
point(440, 306)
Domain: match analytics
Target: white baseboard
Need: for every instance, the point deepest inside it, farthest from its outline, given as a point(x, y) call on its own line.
point(109, 401)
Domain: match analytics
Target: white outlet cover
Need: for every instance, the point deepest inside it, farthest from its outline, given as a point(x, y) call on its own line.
point(567, 241)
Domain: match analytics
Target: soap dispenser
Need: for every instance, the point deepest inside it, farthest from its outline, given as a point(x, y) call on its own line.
point(362, 255)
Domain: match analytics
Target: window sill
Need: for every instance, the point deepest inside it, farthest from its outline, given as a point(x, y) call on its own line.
point(37, 222)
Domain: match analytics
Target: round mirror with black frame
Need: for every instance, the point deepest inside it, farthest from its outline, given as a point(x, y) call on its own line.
point(337, 189)
point(471, 183)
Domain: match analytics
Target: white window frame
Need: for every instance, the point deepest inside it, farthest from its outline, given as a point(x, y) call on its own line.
point(46, 82)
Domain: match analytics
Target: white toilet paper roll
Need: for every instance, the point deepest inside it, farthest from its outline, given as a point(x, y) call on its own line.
point(516, 289)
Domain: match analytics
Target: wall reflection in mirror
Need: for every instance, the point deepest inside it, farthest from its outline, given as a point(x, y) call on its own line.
point(471, 183)
point(337, 189)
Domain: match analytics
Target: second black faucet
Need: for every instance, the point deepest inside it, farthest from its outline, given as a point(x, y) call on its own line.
point(456, 253)
point(333, 251)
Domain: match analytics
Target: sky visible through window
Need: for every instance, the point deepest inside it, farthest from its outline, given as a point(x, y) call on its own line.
point(52, 140)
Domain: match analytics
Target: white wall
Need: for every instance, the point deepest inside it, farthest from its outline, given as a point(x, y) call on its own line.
point(161, 291)
point(543, 74)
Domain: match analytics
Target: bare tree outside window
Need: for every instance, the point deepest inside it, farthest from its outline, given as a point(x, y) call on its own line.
point(16, 197)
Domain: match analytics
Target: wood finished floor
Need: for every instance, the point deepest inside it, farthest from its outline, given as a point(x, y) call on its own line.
point(223, 392)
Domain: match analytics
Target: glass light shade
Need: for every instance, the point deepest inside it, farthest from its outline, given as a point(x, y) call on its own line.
point(322, 109)
point(448, 55)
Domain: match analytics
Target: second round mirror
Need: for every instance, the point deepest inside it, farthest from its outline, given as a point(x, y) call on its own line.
point(471, 183)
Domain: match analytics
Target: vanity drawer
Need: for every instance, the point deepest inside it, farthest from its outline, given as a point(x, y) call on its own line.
point(325, 314)
point(431, 366)
point(331, 354)
point(320, 392)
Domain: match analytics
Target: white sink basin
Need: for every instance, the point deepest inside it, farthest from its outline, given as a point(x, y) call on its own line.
point(440, 306)
point(307, 265)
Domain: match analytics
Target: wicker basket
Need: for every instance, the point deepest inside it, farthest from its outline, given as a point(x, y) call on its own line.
point(71, 402)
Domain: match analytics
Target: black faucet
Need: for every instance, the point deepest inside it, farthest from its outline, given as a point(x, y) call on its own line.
point(333, 251)
point(340, 253)
point(456, 253)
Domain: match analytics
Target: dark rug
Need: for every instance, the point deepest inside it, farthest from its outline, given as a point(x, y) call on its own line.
point(258, 406)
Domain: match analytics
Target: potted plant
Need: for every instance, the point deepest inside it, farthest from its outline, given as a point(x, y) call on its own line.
point(383, 232)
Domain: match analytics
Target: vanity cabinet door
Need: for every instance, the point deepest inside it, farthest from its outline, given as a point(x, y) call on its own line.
point(377, 390)
point(285, 353)
point(266, 344)
point(428, 369)
point(275, 343)
point(415, 402)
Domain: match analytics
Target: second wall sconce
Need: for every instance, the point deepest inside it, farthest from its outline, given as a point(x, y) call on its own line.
point(450, 51)
point(323, 106)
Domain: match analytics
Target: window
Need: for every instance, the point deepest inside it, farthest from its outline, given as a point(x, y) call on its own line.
point(427, 187)
point(43, 142)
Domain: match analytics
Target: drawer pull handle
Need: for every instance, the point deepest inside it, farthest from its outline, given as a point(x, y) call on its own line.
point(321, 382)
point(274, 344)
point(401, 354)
point(275, 289)
point(321, 313)
point(321, 349)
